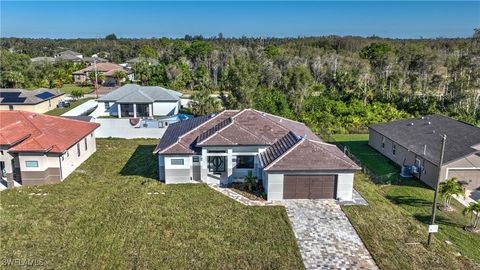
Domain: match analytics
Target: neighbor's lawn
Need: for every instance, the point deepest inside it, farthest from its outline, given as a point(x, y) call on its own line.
point(412, 196)
point(102, 216)
point(68, 88)
point(60, 111)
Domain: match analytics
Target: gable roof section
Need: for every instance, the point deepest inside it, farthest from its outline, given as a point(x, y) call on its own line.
point(32, 132)
point(310, 155)
point(133, 93)
point(298, 128)
point(414, 134)
point(279, 148)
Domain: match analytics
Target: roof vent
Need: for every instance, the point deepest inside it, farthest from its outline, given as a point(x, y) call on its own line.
point(301, 137)
point(429, 123)
point(411, 124)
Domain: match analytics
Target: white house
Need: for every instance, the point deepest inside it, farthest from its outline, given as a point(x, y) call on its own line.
point(291, 161)
point(133, 100)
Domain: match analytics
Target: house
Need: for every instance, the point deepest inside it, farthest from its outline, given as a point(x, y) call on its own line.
point(69, 55)
point(40, 101)
point(288, 158)
point(130, 63)
point(42, 59)
point(417, 143)
point(37, 149)
point(106, 69)
point(133, 100)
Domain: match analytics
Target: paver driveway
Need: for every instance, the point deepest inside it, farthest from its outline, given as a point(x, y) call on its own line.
point(325, 236)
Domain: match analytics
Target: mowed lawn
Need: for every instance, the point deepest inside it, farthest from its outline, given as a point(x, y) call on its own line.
point(102, 216)
point(60, 111)
point(400, 213)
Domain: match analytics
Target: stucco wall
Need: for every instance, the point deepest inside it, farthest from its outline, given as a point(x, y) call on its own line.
point(70, 160)
point(465, 169)
point(42, 107)
point(274, 186)
point(47, 172)
point(176, 174)
point(165, 108)
point(345, 186)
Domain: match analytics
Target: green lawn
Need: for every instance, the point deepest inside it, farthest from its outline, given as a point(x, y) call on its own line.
point(60, 111)
point(102, 217)
point(411, 196)
point(68, 88)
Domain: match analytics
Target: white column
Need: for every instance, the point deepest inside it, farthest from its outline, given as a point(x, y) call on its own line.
point(150, 110)
point(135, 110)
point(229, 163)
point(119, 110)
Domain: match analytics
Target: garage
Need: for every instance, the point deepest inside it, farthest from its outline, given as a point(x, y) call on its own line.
point(310, 187)
point(470, 176)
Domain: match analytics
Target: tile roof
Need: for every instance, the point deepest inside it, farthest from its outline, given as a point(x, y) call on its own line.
point(423, 133)
point(106, 68)
point(32, 132)
point(311, 155)
point(27, 97)
point(290, 144)
point(133, 93)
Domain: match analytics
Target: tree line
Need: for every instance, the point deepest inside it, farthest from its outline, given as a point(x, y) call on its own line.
point(334, 84)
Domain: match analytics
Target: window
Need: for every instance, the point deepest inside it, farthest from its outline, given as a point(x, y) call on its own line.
point(177, 161)
point(383, 142)
point(245, 162)
point(107, 106)
point(216, 151)
point(78, 149)
point(10, 107)
point(31, 164)
point(86, 146)
point(394, 149)
point(216, 164)
point(196, 159)
point(91, 135)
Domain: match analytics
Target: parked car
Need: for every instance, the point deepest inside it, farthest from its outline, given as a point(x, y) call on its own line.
point(63, 104)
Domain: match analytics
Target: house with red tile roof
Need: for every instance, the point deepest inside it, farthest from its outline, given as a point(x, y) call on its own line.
point(107, 70)
point(290, 161)
point(37, 149)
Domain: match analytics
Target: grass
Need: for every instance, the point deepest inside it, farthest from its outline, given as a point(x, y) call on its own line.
point(102, 217)
point(68, 88)
point(60, 111)
point(413, 198)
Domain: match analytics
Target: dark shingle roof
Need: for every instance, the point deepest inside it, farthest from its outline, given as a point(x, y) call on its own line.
point(414, 134)
point(27, 97)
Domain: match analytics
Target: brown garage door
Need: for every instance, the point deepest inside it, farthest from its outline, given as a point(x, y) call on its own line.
point(309, 187)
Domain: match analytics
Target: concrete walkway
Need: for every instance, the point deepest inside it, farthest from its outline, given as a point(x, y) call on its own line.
point(240, 198)
point(325, 237)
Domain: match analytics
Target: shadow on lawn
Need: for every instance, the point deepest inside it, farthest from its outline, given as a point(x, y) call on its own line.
point(408, 200)
point(142, 163)
point(425, 219)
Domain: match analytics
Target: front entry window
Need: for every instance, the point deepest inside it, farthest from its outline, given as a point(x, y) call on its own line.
point(216, 164)
point(245, 162)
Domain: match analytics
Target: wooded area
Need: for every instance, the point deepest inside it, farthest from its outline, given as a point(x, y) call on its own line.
point(333, 84)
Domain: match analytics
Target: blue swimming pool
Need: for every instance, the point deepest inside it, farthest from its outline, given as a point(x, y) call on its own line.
point(164, 121)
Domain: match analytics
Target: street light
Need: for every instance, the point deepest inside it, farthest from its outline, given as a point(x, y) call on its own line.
point(437, 184)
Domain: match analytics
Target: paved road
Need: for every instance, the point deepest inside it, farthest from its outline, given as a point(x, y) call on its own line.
point(325, 236)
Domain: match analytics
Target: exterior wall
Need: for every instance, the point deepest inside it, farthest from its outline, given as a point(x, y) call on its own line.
point(345, 186)
point(177, 174)
point(402, 156)
point(7, 159)
point(79, 78)
point(41, 107)
point(47, 172)
point(165, 108)
point(429, 172)
point(274, 186)
point(121, 128)
point(70, 160)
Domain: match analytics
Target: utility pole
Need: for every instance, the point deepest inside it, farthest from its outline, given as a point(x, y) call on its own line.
point(437, 184)
point(96, 75)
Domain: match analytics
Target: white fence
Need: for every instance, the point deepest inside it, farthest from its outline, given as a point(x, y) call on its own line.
point(121, 128)
point(82, 109)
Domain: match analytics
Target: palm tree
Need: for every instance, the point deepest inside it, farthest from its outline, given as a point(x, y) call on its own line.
point(13, 78)
point(202, 103)
point(119, 75)
point(250, 180)
point(474, 211)
point(449, 188)
point(100, 78)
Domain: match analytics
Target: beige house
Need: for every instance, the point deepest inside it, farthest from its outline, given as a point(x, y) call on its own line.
point(106, 69)
point(39, 101)
point(37, 149)
point(415, 144)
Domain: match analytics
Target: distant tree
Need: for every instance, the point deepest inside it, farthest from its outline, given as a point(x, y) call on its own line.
point(296, 84)
point(76, 94)
point(119, 75)
point(147, 52)
point(448, 188)
point(111, 37)
point(474, 211)
point(202, 103)
point(13, 79)
point(272, 51)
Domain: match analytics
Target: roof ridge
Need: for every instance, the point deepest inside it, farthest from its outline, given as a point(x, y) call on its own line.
point(261, 115)
point(335, 156)
point(285, 153)
point(288, 119)
point(216, 132)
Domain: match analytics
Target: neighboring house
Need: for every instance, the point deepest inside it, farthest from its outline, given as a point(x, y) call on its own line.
point(107, 69)
point(40, 101)
point(38, 149)
point(133, 100)
point(288, 158)
point(42, 59)
point(69, 55)
point(132, 62)
point(417, 143)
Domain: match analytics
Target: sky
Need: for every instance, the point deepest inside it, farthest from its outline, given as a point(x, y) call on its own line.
point(128, 19)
